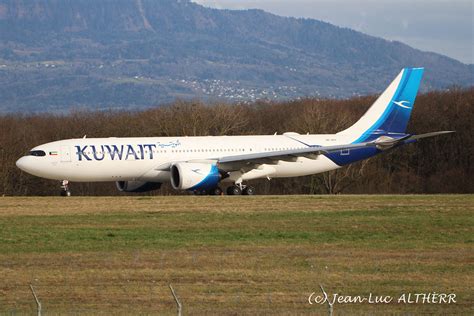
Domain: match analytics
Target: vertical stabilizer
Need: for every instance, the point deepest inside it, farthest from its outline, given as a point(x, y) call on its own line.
point(391, 112)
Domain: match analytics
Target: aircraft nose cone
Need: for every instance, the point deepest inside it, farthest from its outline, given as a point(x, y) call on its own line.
point(22, 163)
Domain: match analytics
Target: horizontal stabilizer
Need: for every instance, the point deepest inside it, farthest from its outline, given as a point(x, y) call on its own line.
point(386, 142)
point(417, 137)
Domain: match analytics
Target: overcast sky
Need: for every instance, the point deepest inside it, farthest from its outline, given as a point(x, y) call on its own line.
point(442, 26)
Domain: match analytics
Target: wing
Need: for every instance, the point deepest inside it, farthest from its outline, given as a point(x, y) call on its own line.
point(250, 160)
point(310, 152)
point(382, 143)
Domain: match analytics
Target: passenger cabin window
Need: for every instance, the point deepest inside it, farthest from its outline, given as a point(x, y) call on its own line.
point(37, 153)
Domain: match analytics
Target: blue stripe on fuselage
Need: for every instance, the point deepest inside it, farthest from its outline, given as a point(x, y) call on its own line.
point(353, 155)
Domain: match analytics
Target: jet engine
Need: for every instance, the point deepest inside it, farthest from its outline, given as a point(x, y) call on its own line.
point(194, 176)
point(137, 186)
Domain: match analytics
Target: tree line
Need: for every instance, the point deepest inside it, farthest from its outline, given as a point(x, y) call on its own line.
point(437, 165)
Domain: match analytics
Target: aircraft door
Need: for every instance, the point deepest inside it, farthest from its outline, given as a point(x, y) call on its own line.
point(65, 154)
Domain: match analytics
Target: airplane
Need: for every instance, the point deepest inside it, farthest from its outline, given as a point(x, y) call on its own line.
point(202, 164)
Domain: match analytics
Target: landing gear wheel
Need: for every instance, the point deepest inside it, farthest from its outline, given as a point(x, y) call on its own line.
point(216, 191)
point(249, 191)
point(234, 190)
point(65, 193)
point(65, 188)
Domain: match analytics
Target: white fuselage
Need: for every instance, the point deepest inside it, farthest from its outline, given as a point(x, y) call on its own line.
point(139, 159)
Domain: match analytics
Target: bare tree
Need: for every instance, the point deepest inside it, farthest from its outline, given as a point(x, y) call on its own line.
point(439, 165)
point(336, 181)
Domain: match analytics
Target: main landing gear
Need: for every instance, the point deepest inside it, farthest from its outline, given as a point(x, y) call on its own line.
point(215, 191)
point(237, 189)
point(65, 191)
point(240, 189)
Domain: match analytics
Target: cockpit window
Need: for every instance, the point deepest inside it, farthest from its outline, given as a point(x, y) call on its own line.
point(37, 153)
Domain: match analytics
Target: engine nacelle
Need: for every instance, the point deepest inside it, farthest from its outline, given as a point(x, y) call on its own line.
point(194, 176)
point(137, 186)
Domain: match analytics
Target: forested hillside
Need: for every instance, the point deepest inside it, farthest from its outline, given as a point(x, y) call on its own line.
point(127, 54)
point(439, 165)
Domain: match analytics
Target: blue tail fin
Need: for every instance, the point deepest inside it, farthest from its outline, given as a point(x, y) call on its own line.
point(399, 111)
point(391, 112)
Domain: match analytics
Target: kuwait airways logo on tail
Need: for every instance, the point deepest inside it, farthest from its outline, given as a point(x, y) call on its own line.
point(402, 104)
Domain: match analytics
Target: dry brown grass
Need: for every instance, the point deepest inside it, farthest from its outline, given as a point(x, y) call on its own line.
point(248, 276)
point(91, 205)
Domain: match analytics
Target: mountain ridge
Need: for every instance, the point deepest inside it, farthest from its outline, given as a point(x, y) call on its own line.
point(138, 53)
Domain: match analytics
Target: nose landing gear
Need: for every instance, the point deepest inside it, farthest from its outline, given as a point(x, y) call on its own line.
point(65, 191)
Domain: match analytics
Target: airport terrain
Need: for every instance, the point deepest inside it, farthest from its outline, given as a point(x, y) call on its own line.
point(233, 255)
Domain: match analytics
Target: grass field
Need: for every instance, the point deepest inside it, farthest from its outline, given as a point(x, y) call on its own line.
point(234, 255)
